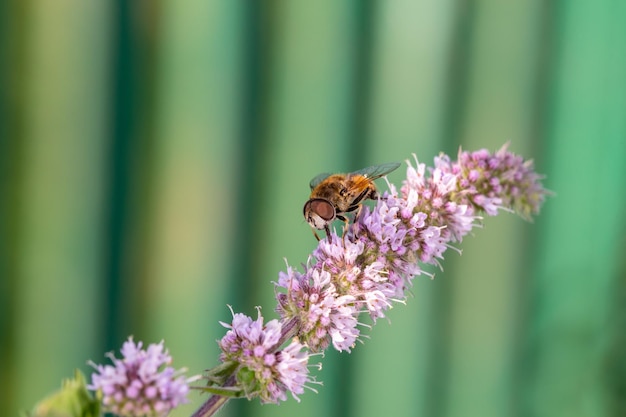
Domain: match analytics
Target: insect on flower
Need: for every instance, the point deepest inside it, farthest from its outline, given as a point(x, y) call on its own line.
point(334, 195)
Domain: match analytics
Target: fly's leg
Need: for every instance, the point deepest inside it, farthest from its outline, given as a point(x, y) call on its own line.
point(345, 221)
point(357, 211)
point(315, 234)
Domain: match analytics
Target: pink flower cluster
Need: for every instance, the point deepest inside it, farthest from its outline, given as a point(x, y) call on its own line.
point(373, 263)
point(140, 384)
point(263, 370)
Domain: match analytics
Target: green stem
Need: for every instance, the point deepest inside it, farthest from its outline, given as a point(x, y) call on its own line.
point(215, 402)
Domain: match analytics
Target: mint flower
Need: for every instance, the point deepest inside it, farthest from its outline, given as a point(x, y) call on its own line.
point(496, 181)
point(323, 313)
point(367, 269)
point(140, 384)
point(262, 370)
point(373, 264)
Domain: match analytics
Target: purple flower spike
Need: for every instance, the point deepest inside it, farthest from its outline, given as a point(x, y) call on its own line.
point(263, 370)
point(140, 384)
point(374, 262)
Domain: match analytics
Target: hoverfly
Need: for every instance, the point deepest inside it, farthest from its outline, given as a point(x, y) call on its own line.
point(334, 195)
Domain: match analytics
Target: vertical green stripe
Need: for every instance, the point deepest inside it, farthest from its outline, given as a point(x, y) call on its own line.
point(13, 32)
point(195, 171)
point(408, 111)
point(60, 225)
point(484, 299)
point(577, 256)
point(129, 158)
point(257, 28)
point(360, 55)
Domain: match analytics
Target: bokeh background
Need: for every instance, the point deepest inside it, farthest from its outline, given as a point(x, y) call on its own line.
point(155, 157)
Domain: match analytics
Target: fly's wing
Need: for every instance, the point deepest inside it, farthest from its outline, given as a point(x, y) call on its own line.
point(376, 171)
point(321, 177)
point(373, 172)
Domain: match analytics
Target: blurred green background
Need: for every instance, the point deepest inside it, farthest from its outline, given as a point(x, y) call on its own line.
point(155, 157)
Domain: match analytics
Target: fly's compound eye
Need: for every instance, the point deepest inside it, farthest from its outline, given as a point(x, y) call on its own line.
point(321, 207)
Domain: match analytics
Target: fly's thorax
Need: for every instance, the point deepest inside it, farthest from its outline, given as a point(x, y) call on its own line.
point(331, 189)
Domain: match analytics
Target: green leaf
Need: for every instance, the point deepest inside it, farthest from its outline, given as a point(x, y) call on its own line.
point(219, 374)
point(231, 392)
point(72, 400)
